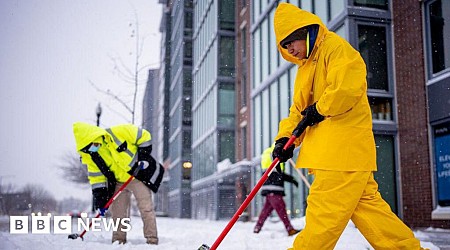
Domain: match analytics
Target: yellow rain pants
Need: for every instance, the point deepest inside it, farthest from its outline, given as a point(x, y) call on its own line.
point(336, 197)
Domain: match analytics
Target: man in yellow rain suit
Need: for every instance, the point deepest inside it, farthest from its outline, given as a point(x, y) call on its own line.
point(110, 156)
point(338, 146)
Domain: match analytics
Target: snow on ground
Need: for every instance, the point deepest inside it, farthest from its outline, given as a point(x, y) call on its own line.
point(182, 234)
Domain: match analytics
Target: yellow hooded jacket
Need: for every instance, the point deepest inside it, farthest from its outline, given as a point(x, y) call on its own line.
point(334, 76)
point(118, 161)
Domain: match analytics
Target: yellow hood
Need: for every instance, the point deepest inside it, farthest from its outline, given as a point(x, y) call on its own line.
point(86, 133)
point(289, 18)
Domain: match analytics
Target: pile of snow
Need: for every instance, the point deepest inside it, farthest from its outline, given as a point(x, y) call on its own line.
point(182, 234)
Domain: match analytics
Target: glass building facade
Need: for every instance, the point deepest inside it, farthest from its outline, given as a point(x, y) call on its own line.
point(213, 106)
point(180, 128)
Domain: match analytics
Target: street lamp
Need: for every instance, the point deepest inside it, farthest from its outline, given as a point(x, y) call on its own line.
point(187, 165)
point(98, 112)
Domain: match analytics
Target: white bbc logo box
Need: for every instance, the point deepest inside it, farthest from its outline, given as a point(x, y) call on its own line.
point(40, 224)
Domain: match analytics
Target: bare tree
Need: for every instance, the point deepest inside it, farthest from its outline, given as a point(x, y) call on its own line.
point(40, 199)
point(72, 169)
point(32, 197)
point(130, 75)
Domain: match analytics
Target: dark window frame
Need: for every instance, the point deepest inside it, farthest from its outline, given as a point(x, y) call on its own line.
point(429, 46)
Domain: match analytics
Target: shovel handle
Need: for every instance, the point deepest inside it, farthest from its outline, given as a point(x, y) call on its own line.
point(111, 200)
point(296, 133)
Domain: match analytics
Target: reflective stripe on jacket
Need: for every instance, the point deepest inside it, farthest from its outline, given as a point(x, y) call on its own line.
point(334, 76)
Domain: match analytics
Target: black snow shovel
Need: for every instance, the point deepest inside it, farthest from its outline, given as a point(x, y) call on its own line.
point(116, 194)
point(295, 134)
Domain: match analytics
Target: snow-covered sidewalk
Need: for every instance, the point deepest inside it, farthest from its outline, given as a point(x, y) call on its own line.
point(182, 234)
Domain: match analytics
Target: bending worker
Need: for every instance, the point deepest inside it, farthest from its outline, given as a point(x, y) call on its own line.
point(110, 155)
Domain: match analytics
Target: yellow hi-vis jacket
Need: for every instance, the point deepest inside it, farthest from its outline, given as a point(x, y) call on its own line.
point(119, 160)
point(334, 76)
point(266, 158)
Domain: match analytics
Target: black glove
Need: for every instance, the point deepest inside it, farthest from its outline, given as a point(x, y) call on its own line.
point(295, 183)
point(312, 116)
point(278, 152)
point(144, 153)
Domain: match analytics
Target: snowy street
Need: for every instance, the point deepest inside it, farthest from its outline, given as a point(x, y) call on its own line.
point(185, 234)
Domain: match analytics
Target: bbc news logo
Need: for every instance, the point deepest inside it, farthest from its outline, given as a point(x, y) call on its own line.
point(43, 224)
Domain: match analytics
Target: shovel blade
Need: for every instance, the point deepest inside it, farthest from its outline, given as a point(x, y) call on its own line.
point(75, 236)
point(204, 247)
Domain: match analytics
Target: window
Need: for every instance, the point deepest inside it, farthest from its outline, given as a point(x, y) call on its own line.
point(187, 113)
point(188, 4)
point(257, 58)
point(342, 31)
point(187, 60)
point(188, 20)
point(204, 159)
point(265, 49)
point(244, 44)
point(226, 106)
point(274, 105)
point(256, 9)
point(372, 46)
point(381, 108)
point(243, 90)
point(226, 149)
point(266, 141)
point(273, 49)
point(385, 176)
point(336, 7)
point(244, 142)
point(226, 56)
point(175, 148)
point(442, 163)
point(257, 149)
point(243, 79)
point(307, 5)
point(379, 4)
point(226, 15)
point(438, 14)
point(187, 142)
point(321, 10)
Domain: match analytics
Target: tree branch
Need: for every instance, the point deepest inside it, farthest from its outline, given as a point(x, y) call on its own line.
point(109, 93)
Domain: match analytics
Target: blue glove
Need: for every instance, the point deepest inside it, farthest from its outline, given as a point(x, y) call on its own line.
point(143, 164)
point(102, 211)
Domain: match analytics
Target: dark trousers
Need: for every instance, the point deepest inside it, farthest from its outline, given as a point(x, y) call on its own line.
point(274, 201)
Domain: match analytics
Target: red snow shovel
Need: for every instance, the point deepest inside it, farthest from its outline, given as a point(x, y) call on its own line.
point(116, 194)
point(295, 134)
